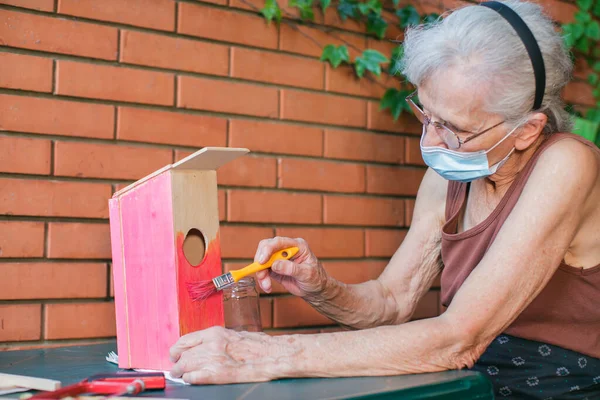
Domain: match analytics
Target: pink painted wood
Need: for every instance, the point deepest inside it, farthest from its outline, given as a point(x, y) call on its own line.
point(118, 280)
point(150, 273)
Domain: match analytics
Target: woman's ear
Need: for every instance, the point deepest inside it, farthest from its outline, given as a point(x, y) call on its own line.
point(530, 131)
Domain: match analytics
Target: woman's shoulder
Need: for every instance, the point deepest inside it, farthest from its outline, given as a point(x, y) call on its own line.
point(569, 160)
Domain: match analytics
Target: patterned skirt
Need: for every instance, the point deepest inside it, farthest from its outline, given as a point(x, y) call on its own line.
point(526, 369)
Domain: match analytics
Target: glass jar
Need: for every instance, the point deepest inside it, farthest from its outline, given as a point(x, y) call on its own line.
point(241, 306)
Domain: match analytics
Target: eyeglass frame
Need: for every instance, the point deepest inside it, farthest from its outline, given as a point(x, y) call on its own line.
point(428, 121)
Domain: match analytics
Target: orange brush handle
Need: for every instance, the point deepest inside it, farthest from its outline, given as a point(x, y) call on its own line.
point(284, 254)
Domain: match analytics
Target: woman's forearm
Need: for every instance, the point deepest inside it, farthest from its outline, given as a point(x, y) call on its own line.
point(359, 306)
point(428, 345)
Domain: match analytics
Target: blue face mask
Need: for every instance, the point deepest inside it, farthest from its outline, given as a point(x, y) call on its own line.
point(463, 167)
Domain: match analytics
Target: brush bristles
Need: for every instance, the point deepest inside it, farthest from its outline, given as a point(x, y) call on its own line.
point(201, 290)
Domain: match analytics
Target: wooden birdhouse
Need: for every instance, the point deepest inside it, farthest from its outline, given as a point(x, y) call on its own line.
point(165, 233)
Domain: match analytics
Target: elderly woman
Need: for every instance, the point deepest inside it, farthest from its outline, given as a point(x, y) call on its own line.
point(507, 213)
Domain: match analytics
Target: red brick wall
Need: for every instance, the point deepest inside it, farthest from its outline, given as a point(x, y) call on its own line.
point(95, 94)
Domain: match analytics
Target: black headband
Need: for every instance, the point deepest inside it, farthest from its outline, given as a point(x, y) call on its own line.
point(531, 45)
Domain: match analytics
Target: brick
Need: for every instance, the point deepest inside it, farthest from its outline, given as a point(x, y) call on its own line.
point(383, 242)
point(290, 312)
point(18, 71)
point(269, 137)
point(394, 180)
point(266, 312)
point(560, 11)
point(383, 121)
point(227, 96)
point(93, 160)
point(54, 35)
point(582, 69)
point(577, 92)
point(174, 53)
point(155, 14)
point(428, 307)
point(78, 240)
point(353, 272)
point(222, 205)
point(114, 83)
point(152, 126)
point(303, 40)
point(20, 322)
point(54, 198)
point(412, 149)
point(329, 242)
point(360, 146)
point(321, 175)
point(40, 5)
point(343, 79)
point(226, 25)
point(368, 211)
point(409, 207)
point(322, 108)
point(21, 239)
point(271, 206)
point(283, 69)
point(52, 280)
point(56, 117)
point(333, 19)
point(79, 320)
point(249, 171)
point(242, 241)
point(24, 156)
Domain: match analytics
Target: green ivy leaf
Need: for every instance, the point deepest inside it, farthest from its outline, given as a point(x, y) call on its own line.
point(583, 45)
point(396, 3)
point(395, 100)
point(568, 35)
point(325, 4)
point(585, 4)
point(593, 30)
point(596, 9)
point(376, 25)
point(593, 79)
point(596, 93)
point(408, 16)
point(371, 5)
point(271, 10)
point(305, 7)
point(430, 18)
point(593, 114)
point(397, 54)
point(335, 55)
point(348, 9)
point(583, 17)
point(596, 66)
point(370, 60)
point(586, 128)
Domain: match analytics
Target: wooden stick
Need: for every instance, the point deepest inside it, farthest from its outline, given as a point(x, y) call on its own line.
point(29, 382)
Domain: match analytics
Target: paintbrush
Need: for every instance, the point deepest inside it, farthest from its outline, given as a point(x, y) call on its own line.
point(202, 290)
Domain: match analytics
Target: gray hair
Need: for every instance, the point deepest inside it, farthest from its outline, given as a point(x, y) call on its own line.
point(483, 44)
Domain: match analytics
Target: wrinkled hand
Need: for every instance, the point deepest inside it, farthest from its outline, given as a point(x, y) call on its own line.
point(302, 276)
point(219, 356)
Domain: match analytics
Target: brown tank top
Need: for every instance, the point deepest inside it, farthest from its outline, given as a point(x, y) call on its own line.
point(566, 313)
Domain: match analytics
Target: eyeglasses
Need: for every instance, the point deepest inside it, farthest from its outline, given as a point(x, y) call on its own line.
point(448, 135)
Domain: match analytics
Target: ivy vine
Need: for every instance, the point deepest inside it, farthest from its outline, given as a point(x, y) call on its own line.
point(582, 37)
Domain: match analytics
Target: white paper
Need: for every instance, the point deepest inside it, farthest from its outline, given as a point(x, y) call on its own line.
point(12, 389)
point(114, 358)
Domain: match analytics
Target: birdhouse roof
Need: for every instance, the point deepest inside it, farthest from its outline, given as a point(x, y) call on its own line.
point(208, 158)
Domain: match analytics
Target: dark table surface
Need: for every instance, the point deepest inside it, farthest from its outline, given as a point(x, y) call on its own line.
point(75, 363)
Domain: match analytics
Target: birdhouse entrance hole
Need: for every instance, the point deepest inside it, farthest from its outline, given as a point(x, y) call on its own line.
point(194, 247)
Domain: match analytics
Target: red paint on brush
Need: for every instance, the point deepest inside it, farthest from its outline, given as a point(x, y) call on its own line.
point(198, 315)
point(201, 290)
